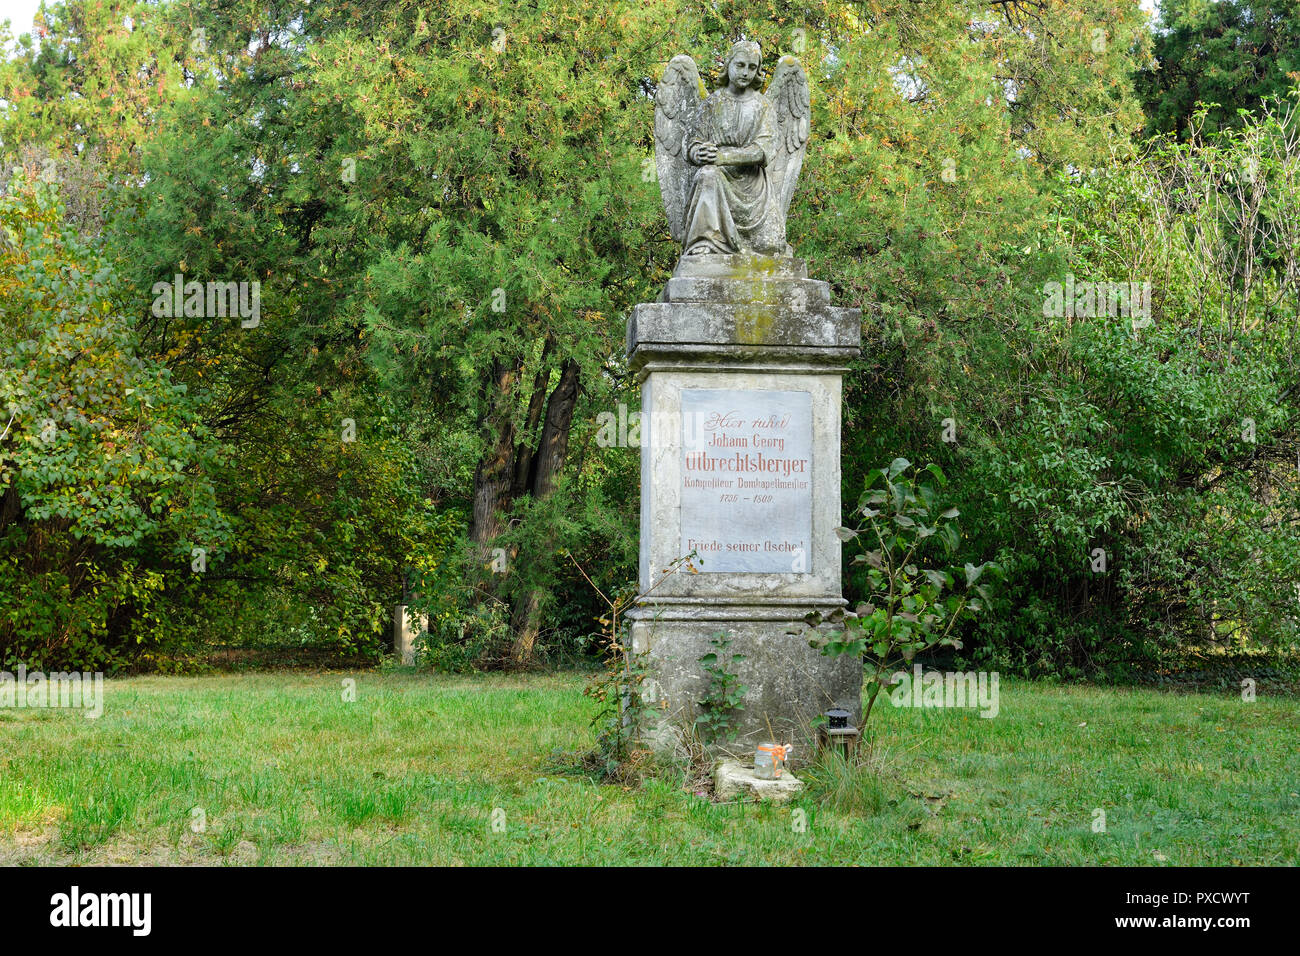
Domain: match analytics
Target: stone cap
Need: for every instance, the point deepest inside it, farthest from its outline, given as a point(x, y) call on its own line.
point(745, 265)
point(744, 309)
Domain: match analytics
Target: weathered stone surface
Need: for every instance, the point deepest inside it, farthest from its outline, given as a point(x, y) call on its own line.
point(743, 265)
point(778, 318)
point(658, 326)
point(739, 331)
point(734, 781)
point(813, 295)
point(662, 484)
point(790, 683)
point(728, 163)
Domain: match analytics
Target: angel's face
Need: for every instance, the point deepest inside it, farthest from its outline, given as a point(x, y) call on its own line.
point(742, 71)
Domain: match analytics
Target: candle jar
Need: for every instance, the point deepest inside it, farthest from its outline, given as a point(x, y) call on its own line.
point(769, 761)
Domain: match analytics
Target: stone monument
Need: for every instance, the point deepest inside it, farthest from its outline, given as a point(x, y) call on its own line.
point(740, 363)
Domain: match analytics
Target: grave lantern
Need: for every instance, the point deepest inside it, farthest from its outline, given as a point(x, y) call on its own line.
point(837, 733)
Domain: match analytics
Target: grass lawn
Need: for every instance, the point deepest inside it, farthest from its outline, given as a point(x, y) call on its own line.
point(286, 772)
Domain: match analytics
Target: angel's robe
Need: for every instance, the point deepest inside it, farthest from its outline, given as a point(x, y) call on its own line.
point(735, 208)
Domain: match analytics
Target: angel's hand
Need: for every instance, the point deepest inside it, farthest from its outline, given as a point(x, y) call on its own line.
point(704, 154)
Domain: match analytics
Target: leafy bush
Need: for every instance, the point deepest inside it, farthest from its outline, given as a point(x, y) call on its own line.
point(102, 457)
point(904, 547)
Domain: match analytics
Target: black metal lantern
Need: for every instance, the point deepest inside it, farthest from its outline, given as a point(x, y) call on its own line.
point(837, 733)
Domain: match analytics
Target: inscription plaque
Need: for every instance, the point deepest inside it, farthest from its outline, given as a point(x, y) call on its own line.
point(747, 480)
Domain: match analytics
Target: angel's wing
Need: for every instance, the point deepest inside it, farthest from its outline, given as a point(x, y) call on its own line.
point(788, 93)
point(678, 98)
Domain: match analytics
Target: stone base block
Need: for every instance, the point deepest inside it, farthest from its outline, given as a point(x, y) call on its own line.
point(789, 683)
point(734, 781)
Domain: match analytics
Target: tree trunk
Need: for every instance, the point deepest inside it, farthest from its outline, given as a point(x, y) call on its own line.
point(552, 448)
point(524, 454)
point(554, 443)
point(494, 476)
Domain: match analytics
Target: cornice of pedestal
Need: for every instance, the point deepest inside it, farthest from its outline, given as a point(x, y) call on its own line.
point(746, 311)
point(755, 608)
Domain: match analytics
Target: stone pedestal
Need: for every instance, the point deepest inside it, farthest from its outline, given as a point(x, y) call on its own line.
point(740, 365)
point(406, 631)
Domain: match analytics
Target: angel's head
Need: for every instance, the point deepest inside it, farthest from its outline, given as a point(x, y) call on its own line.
point(741, 71)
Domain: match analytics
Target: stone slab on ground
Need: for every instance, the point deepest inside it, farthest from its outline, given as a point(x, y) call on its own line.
point(733, 780)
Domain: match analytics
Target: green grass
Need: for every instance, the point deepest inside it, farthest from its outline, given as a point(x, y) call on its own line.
point(286, 772)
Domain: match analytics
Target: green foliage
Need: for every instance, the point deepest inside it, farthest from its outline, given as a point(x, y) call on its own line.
point(854, 786)
point(1231, 54)
point(617, 693)
point(86, 82)
point(1164, 444)
point(724, 695)
point(102, 460)
point(915, 600)
point(616, 689)
point(384, 169)
point(461, 642)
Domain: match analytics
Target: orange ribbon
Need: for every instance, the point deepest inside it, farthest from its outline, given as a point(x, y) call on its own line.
point(778, 754)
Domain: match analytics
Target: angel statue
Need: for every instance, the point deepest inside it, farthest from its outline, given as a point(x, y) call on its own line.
point(728, 164)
